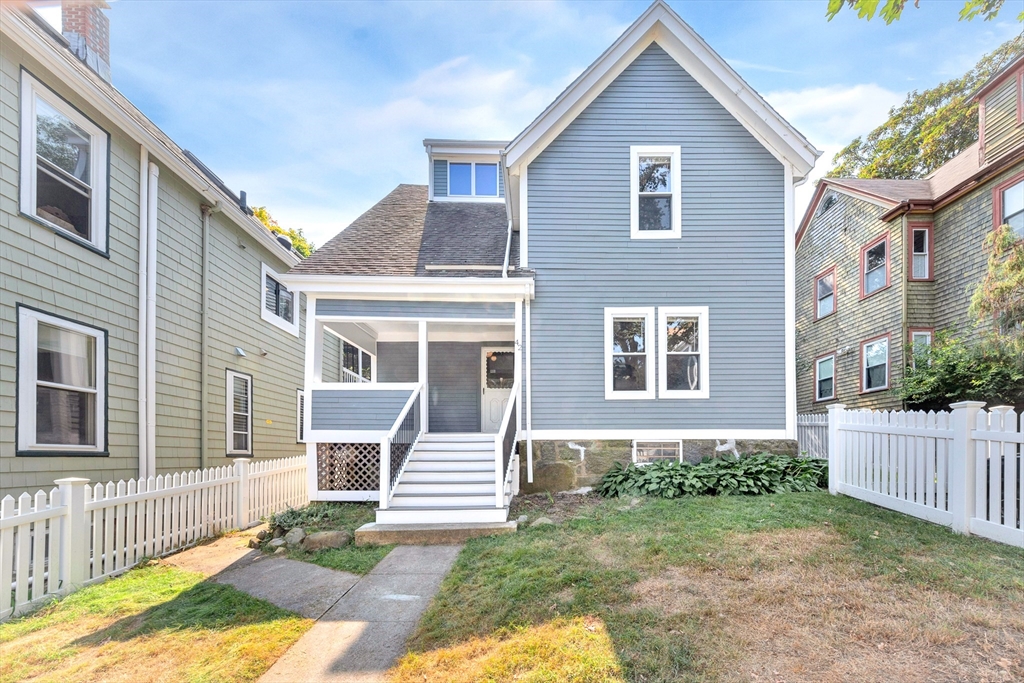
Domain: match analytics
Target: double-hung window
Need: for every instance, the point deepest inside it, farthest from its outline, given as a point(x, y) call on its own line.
point(825, 294)
point(920, 251)
point(239, 413)
point(356, 364)
point(472, 179)
point(279, 303)
point(683, 352)
point(875, 364)
point(61, 385)
point(1012, 207)
point(63, 166)
point(655, 209)
point(920, 344)
point(825, 378)
point(874, 266)
point(628, 353)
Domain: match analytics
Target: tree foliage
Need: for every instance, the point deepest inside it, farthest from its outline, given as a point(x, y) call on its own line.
point(999, 296)
point(299, 241)
point(892, 10)
point(928, 129)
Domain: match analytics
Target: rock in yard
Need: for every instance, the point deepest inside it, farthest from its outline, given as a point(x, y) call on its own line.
point(582, 491)
point(523, 519)
point(326, 539)
point(280, 551)
point(633, 503)
point(262, 535)
point(254, 544)
point(294, 537)
point(276, 543)
point(279, 531)
point(541, 521)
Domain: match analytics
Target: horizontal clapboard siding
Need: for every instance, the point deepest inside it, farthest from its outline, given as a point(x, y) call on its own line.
point(416, 309)
point(1001, 130)
point(730, 257)
point(340, 409)
point(330, 370)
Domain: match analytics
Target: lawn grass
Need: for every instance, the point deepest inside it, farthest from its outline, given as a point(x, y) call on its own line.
point(154, 623)
point(735, 588)
point(336, 516)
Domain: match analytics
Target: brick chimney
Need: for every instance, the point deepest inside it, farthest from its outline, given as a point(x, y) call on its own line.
point(85, 25)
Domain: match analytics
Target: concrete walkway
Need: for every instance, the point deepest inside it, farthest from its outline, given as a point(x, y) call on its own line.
point(362, 622)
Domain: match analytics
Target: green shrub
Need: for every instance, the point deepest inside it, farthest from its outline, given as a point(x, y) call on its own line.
point(750, 475)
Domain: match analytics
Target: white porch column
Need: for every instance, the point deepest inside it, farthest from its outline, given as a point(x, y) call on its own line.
point(425, 390)
point(518, 372)
point(310, 371)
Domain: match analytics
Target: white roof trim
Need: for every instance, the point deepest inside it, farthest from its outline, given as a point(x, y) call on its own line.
point(411, 288)
point(662, 25)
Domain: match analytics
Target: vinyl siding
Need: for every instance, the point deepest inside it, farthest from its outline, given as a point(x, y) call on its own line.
point(1001, 130)
point(415, 309)
point(330, 370)
point(730, 256)
point(360, 409)
point(398, 362)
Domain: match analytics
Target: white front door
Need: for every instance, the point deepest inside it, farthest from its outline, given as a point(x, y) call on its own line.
point(497, 376)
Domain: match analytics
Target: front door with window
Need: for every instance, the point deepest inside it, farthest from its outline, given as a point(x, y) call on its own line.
point(498, 374)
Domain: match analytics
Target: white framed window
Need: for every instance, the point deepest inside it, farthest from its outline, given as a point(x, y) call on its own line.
point(62, 385)
point(646, 452)
point(472, 179)
point(64, 166)
point(683, 352)
point(825, 378)
point(357, 364)
point(920, 343)
point(875, 364)
point(300, 416)
point(280, 305)
point(654, 195)
point(629, 353)
point(920, 251)
point(238, 418)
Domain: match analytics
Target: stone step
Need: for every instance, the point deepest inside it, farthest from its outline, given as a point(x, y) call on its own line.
point(430, 534)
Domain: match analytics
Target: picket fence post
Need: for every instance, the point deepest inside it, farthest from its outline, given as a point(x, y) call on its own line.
point(74, 534)
point(835, 448)
point(242, 494)
point(962, 465)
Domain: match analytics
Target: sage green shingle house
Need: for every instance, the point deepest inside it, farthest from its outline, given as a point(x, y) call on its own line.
point(882, 264)
point(144, 329)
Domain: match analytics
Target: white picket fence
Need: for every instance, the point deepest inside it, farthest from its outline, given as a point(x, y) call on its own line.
point(812, 434)
point(962, 469)
point(52, 544)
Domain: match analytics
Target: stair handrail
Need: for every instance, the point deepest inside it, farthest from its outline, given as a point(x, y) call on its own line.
point(391, 471)
point(503, 447)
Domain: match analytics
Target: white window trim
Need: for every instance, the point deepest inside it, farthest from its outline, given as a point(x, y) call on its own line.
point(341, 357)
point(864, 365)
point(913, 344)
point(647, 313)
point(300, 410)
point(703, 346)
point(472, 196)
point(635, 152)
point(98, 159)
point(817, 377)
point(273, 318)
point(28, 339)
point(229, 412)
point(678, 442)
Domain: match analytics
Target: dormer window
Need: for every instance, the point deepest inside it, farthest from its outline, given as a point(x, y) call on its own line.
point(471, 179)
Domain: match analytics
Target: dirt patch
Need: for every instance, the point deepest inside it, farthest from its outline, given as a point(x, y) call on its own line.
point(557, 507)
point(779, 607)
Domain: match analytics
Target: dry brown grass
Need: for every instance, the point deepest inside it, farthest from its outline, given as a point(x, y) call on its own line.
point(785, 606)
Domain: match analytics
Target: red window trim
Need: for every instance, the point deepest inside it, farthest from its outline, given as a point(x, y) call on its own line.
point(835, 293)
point(997, 198)
point(884, 237)
point(888, 364)
point(834, 385)
point(911, 227)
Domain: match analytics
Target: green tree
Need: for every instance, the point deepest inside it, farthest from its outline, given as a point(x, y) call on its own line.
point(299, 241)
point(999, 297)
point(891, 10)
point(928, 129)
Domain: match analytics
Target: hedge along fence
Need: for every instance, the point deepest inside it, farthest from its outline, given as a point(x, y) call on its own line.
point(52, 544)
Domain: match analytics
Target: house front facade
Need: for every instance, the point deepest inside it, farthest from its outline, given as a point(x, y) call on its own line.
point(578, 291)
point(145, 328)
point(882, 265)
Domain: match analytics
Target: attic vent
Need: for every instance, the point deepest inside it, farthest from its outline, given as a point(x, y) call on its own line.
point(827, 203)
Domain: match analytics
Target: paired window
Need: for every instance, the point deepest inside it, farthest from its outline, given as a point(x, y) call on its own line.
point(655, 211)
point(874, 266)
point(279, 303)
point(61, 385)
point(472, 179)
point(63, 166)
point(920, 251)
point(825, 294)
point(646, 452)
point(920, 344)
point(628, 342)
point(356, 364)
point(683, 348)
point(1012, 203)
point(239, 413)
point(875, 364)
point(300, 416)
point(825, 378)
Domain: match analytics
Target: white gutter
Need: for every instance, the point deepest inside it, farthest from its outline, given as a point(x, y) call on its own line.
point(143, 346)
point(151, 249)
point(412, 288)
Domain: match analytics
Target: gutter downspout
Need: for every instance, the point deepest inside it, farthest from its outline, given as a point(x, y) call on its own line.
point(204, 399)
point(143, 346)
point(508, 214)
point(152, 190)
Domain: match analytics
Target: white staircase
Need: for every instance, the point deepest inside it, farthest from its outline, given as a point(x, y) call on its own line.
point(449, 478)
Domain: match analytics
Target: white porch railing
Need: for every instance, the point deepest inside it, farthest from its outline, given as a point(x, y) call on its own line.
point(961, 469)
point(812, 434)
point(52, 544)
point(397, 445)
point(506, 466)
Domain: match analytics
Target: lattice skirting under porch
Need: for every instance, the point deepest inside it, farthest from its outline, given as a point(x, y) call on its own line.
point(348, 466)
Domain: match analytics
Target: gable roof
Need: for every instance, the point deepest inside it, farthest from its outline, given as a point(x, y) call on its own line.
point(405, 235)
point(662, 25)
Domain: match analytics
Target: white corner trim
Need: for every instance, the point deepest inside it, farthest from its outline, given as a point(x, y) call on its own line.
point(789, 290)
point(647, 313)
point(524, 222)
point(272, 318)
point(673, 152)
point(703, 346)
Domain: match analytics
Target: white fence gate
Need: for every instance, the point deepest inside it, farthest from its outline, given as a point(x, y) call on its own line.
point(961, 469)
point(812, 434)
point(52, 544)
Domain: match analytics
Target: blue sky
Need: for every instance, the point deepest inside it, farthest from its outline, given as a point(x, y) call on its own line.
point(318, 109)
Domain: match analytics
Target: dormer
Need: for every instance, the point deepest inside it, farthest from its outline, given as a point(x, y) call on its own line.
point(465, 170)
point(1001, 112)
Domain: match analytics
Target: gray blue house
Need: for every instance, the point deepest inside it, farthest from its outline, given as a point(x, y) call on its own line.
point(615, 283)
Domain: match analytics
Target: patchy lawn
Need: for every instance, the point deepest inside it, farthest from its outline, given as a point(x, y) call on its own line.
point(154, 623)
point(793, 587)
point(331, 517)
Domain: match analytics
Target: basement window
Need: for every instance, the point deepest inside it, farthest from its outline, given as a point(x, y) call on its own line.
point(646, 452)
